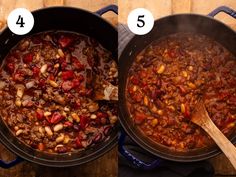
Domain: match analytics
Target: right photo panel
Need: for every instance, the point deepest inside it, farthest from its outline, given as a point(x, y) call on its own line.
point(177, 88)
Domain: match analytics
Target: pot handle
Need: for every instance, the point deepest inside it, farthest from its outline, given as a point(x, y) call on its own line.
point(113, 8)
point(135, 161)
point(10, 164)
point(224, 9)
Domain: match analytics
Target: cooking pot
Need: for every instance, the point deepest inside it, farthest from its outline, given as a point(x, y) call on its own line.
point(61, 19)
point(168, 25)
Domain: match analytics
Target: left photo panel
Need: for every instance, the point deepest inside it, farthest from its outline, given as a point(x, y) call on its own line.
point(58, 88)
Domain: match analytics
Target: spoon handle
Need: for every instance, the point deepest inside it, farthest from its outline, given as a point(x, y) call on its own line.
point(224, 144)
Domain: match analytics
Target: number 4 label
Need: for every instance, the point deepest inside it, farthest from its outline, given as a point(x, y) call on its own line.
point(140, 21)
point(20, 21)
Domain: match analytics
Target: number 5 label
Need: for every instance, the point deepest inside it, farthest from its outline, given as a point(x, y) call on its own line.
point(140, 21)
point(20, 21)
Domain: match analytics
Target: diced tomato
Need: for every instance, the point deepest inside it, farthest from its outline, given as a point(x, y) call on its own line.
point(102, 115)
point(135, 80)
point(80, 78)
point(76, 63)
point(36, 71)
point(187, 111)
point(66, 75)
point(83, 121)
point(182, 89)
point(51, 77)
point(232, 100)
point(10, 67)
point(172, 53)
point(56, 118)
point(40, 114)
point(224, 94)
point(27, 58)
point(77, 103)
point(41, 82)
point(90, 61)
point(138, 97)
point(18, 76)
point(67, 85)
point(139, 118)
point(64, 41)
point(76, 83)
point(143, 74)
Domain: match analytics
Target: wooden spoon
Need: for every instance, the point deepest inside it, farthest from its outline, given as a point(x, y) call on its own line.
point(201, 118)
point(105, 91)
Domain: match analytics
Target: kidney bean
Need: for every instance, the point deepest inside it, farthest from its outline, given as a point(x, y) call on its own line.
point(83, 121)
point(97, 138)
point(78, 143)
point(61, 149)
point(107, 130)
point(102, 115)
point(76, 127)
point(56, 118)
point(68, 124)
point(40, 114)
point(10, 67)
point(36, 71)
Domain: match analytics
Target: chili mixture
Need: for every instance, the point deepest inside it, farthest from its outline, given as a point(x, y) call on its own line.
point(46, 92)
point(169, 77)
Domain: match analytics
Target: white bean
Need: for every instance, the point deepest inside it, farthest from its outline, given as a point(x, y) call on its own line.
point(58, 127)
point(47, 113)
point(18, 132)
point(43, 68)
point(48, 131)
point(60, 138)
point(93, 116)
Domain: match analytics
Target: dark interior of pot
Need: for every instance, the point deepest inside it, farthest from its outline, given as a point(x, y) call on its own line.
point(163, 27)
point(72, 20)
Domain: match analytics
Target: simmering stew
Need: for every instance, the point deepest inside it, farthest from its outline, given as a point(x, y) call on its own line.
point(169, 77)
point(46, 92)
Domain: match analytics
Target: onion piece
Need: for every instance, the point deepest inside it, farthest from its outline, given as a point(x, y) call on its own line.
point(30, 84)
point(20, 90)
point(2, 84)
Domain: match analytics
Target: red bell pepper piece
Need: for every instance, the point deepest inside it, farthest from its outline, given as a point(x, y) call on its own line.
point(27, 58)
point(66, 75)
point(64, 41)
